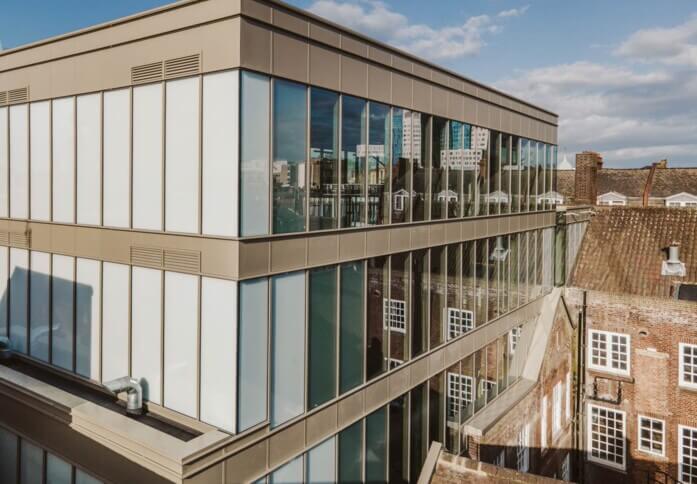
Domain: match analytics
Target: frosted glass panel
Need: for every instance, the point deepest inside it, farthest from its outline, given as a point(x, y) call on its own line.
point(4, 285)
point(181, 368)
point(89, 146)
point(115, 321)
point(291, 473)
point(253, 344)
point(19, 265)
point(182, 156)
point(64, 160)
point(8, 456)
point(84, 478)
point(40, 316)
point(19, 161)
point(218, 352)
point(288, 347)
point(57, 470)
point(4, 161)
point(40, 160)
point(63, 282)
point(87, 320)
point(32, 463)
point(254, 155)
point(117, 148)
point(147, 157)
point(321, 463)
point(146, 311)
point(220, 153)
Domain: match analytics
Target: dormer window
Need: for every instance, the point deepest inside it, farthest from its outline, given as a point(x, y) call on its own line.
point(681, 200)
point(612, 199)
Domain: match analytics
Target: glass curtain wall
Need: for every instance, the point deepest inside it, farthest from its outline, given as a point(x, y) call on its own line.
point(494, 197)
point(454, 165)
point(401, 165)
point(352, 293)
point(524, 153)
point(470, 171)
point(322, 336)
point(505, 173)
point(419, 302)
point(421, 165)
point(324, 152)
point(353, 142)
point(480, 139)
point(379, 312)
point(515, 174)
point(378, 154)
point(440, 196)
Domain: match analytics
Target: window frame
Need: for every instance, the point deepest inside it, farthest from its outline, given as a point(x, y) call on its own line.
point(607, 368)
point(681, 430)
point(522, 449)
point(681, 366)
point(389, 317)
point(589, 440)
point(459, 322)
point(459, 396)
point(662, 431)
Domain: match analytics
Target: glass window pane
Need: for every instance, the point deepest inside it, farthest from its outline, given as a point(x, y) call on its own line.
point(419, 300)
point(40, 150)
point(468, 294)
point(399, 294)
point(438, 300)
point(515, 174)
point(19, 161)
point(480, 140)
point(84, 478)
point(376, 446)
point(8, 456)
point(89, 153)
point(418, 431)
point(436, 406)
point(32, 464)
point(63, 281)
point(470, 171)
point(57, 470)
point(4, 161)
point(439, 192)
point(88, 318)
point(532, 175)
point(146, 330)
point(289, 154)
point(351, 453)
point(377, 301)
point(493, 271)
point(63, 155)
point(19, 279)
point(456, 395)
point(39, 311)
point(4, 288)
point(254, 155)
point(115, 316)
point(481, 279)
point(324, 149)
point(491, 377)
point(421, 164)
point(353, 136)
point(467, 374)
point(505, 173)
point(524, 153)
point(321, 463)
point(378, 156)
point(401, 165)
point(455, 322)
point(322, 338)
point(455, 142)
point(494, 195)
point(480, 375)
point(399, 440)
point(117, 149)
point(291, 473)
point(288, 347)
point(252, 347)
point(352, 326)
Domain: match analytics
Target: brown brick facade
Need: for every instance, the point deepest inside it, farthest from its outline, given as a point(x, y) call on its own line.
point(588, 164)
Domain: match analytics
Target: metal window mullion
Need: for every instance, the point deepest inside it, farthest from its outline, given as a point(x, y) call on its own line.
point(339, 162)
point(308, 192)
point(163, 159)
point(74, 194)
point(387, 324)
point(101, 320)
point(28, 167)
point(337, 329)
point(131, 116)
point(200, 154)
point(101, 158)
point(306, 352)
point(198, 347)
point(269, 189)
point(366, 169)
point(446, 183)
point(74, 315)
point(28, 303)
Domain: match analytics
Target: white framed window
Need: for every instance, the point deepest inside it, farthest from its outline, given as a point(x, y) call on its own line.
point(568, 395)
point(688, 365)
point(687, 454)
point(556, 408)
point(460, 321)
point(514, 338)
point(543, 423)
point(566, 468)
point(459, 393)
point(487, 388)
point(394, 315)
point(522, 453)
point(393, 363)
point(651, 435)
point(609, 352)
point(606, 439)
point(398, 203)
point(500, 460)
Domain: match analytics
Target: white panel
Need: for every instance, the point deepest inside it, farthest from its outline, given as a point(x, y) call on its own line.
point(182, 156)
point(4, 285)
point(19, 161)
point(62, 287)
point(220, 145)
point(19, 265)
point(117, 149)
point(87, 317)
point(4, 162)
point(218, 352)
point(40, 130)
point(181, 368)
point(147, 157)
point(39, 315)
point(64, 160)
point(115, 321)
point(89, 159)
point(146, 337)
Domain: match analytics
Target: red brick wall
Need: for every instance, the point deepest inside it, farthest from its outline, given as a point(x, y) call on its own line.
point(656, 327)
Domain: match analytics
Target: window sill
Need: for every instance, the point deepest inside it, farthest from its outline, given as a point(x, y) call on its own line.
point(623, 377)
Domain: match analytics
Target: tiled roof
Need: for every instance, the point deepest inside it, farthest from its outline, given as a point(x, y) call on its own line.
point(628, 182)
point(671, 181)
point(624, 248)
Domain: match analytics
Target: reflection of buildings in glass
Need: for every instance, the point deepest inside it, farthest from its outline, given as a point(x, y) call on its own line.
point(411, 137)
point(480, 138)
point(461, 159)
point(447, 196)
point(285, 174)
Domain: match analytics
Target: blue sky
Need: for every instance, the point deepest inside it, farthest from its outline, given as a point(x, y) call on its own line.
point(621, 74)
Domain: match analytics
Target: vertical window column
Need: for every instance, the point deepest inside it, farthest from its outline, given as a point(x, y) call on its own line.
point(324, 152)
point(19, 161)
point(40, 170)
point(117, 153)
point(89, 159)
point(63, 149)
point(353, 136)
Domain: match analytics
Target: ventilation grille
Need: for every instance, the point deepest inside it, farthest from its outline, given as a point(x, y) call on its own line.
point(169, 69)
point(20, 239)
point(147, 256)
point(183, 66)
point(4, 238)
point(146, 73)
point(14, 96)
point(183, 260)
point(172, 259)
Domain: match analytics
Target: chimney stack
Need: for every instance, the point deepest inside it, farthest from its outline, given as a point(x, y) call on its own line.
point(588, 164)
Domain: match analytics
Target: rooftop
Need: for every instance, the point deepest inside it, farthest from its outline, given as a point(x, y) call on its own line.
point(624, 249)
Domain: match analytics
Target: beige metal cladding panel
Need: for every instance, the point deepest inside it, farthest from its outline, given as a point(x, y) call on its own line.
point(353, 45)
point(483, 114)
point(379, 55)
point(378, 242)
point(402, 64)
point(352, 245)
point(354, 76)
point(495, 117)
point(256, 9)
point(325, 67)
point(422, 71)
point(245, 466)
point(290, 57)
point(401, 90)
point(506, 123)
point(422, 96)
point(255, 47)
point(323, 249)
point(439, 100)
point(291, 22)
point(321, 424)
point(400, 239)
point(286, 444)
point(351, 408)
point(456, 106)
point(470, 110)
point(288, 254)
point(325, 35)
point(440, 77)
point(379, 83)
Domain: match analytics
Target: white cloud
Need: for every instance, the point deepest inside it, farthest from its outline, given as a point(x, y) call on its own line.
point(514, 12)
point(672, 45)
point(376, 19)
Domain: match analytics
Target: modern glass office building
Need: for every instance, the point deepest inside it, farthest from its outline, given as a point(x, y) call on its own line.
point(318, 254)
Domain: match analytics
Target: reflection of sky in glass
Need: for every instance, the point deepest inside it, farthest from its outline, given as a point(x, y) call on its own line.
point(290, 110)
point(324, 109)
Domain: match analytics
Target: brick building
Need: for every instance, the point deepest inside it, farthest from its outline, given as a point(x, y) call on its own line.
point(639, 413)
